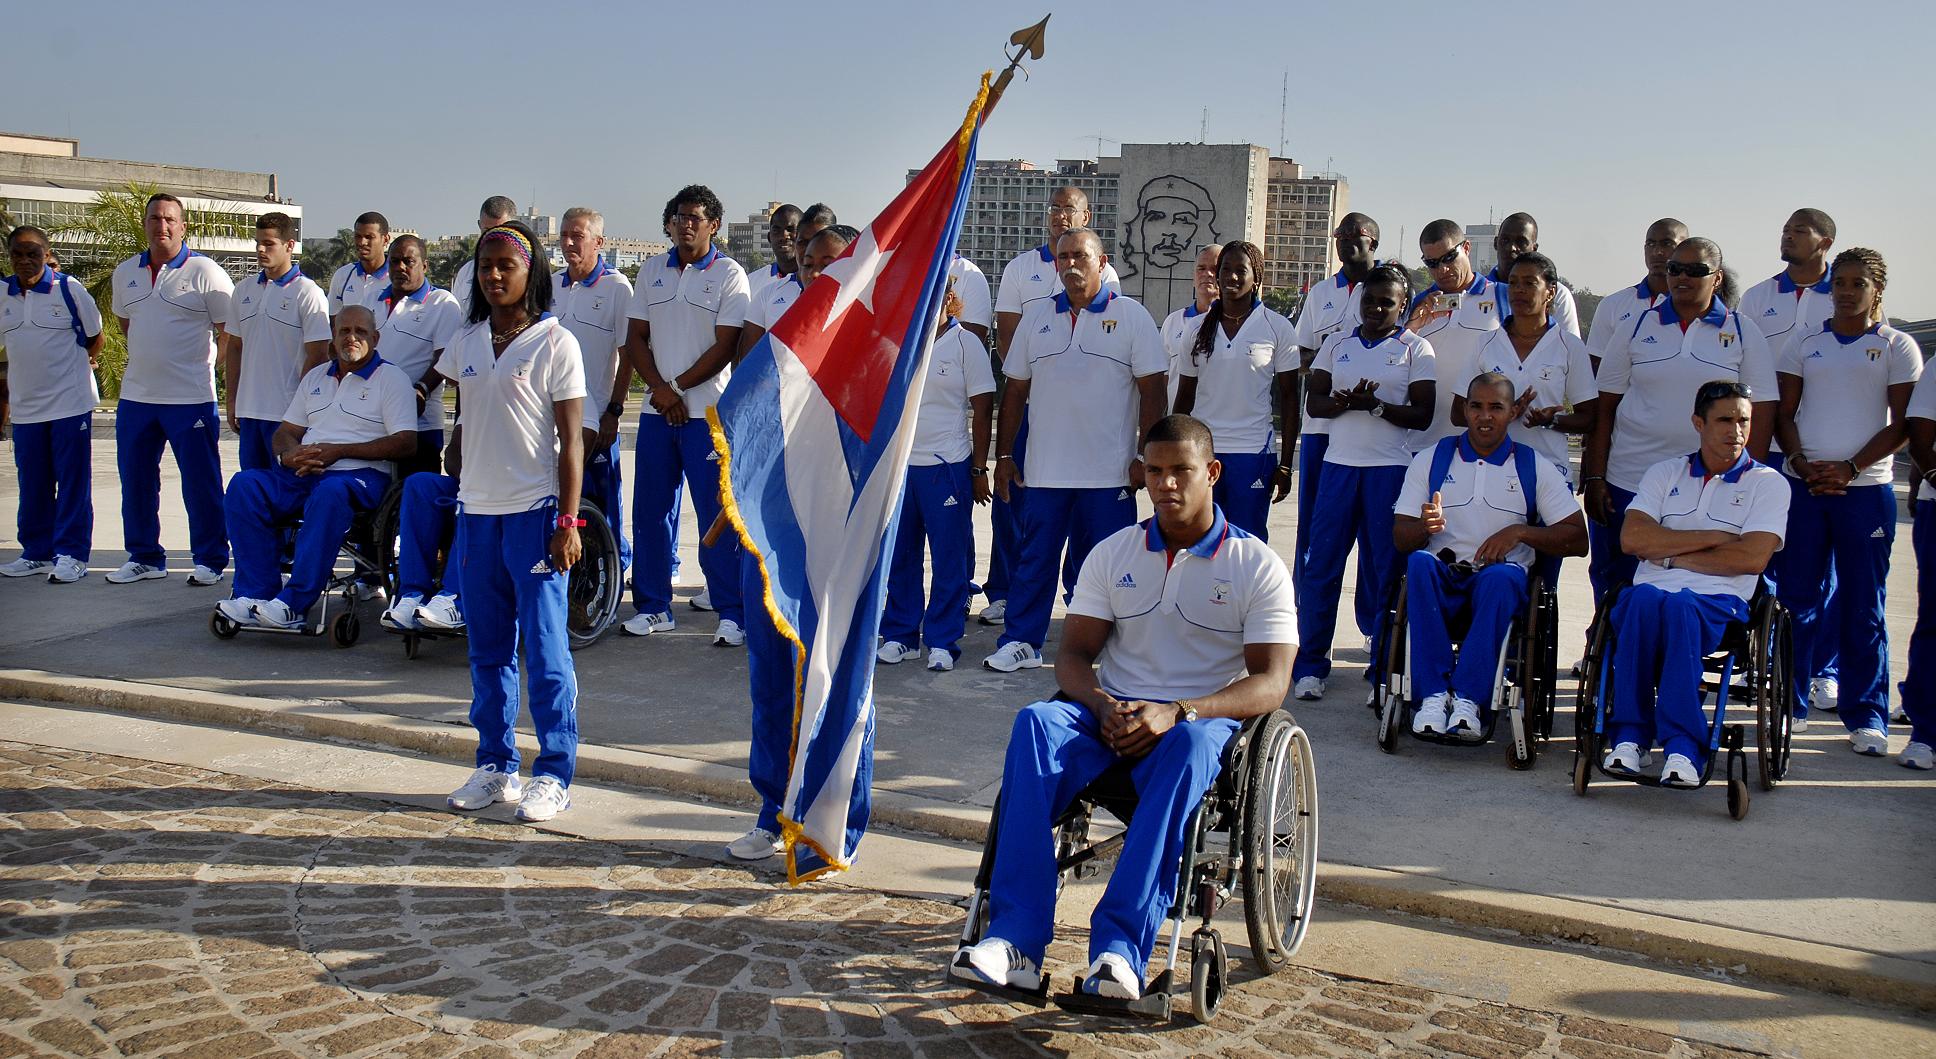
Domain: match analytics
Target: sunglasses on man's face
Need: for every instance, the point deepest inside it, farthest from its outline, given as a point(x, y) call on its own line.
point(1696, 269)
point(1444, 259)
point(1718, 390)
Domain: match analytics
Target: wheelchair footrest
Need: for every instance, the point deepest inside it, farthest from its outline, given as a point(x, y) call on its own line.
point(1038, 998)
point(1154, 1004)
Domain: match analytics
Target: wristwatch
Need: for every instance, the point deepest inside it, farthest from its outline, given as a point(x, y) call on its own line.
point(1377, 408)
point(570, 522)
point(616, 409)
point(1186, 710)
point(977, 472)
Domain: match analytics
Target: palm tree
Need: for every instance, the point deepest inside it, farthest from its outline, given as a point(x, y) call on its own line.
point(320, 262)
point(442, 267)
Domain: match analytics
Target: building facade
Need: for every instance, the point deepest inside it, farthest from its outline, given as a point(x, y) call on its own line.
point(1009, 203)
point(746, 240)
point(1301, 212)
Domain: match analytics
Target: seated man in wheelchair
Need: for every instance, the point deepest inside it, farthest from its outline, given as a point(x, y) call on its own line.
point(1485, 505)
point(1704, 527)
point(1193, 624)
point(350, 418)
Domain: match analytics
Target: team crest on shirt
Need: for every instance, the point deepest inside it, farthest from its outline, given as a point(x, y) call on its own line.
point(1220, 593)
point(1740, 498)
point(1546, 373)
point(285, 304)
point(1874, 353)
point(1512, 485)
point(1727, 339)
point(709, 288)
point(598, 304)
point(1109, 327)
point(1485, 307)
point(1395, 358)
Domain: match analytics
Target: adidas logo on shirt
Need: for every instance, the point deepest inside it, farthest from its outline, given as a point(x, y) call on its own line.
point(1676, 491)
point(1770, 311)
point(1044, 330)
point(950, 502)
point(469, 372)
point(1125, 581)
point(1649, 341)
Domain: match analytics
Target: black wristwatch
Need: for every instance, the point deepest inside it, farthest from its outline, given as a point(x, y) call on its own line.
point(616, 409)
point(977, 472)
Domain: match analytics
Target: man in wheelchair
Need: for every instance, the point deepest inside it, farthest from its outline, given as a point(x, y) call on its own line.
point(1193, 624)
point(1485, 505)
point(1704, 527)
point(350, 418)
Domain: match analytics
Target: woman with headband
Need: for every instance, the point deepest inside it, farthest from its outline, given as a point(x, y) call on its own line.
point(518, 455)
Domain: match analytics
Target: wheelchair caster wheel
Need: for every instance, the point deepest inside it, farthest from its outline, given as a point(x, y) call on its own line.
point(1209, 974)
point(222, 627)
point(1389, 718)
point(412, 645)
point(344, 631)
point(1737, 798)
point(1582, 773)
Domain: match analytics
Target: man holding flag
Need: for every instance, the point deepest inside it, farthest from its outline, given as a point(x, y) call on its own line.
point(813, 434)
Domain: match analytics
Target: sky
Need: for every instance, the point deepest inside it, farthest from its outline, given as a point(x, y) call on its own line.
point(1597, 119)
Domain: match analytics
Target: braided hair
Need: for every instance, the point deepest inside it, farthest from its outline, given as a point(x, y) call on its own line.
point(1393, 273)
point(1871, 262)
point(1213, 320)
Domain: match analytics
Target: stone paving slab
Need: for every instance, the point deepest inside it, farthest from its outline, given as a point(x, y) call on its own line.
point(167, 910)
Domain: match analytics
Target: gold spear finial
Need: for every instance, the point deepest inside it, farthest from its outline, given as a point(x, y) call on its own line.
point(1028, 43)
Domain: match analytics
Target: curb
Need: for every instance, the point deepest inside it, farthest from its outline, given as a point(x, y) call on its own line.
point(1864, 976)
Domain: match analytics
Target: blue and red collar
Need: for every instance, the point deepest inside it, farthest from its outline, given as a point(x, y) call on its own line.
point(704, 263)
point(262, 277)
point(1717, 312)
point(173, 262)
point(45, 286)
point(368, 369)
point(1205, 548)
point(1789, 286)
point(1697, 469)
point(1101, 302)
point(591, 278)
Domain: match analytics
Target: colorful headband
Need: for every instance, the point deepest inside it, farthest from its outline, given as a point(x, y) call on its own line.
point(515, 237)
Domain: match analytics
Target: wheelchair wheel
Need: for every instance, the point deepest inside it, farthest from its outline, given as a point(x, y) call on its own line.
point(346, 629)
point(1209, 974)
point(222, 627)
point(1280, 822)
point(1525, 726)
point(1774, 675)
point(597, 583)
point(1391, 684)
point(1586, 700)
point(385, 523)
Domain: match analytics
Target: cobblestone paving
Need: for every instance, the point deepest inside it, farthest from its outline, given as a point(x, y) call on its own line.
point(151, 909)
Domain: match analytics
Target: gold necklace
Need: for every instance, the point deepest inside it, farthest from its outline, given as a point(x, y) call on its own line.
point(501, 339)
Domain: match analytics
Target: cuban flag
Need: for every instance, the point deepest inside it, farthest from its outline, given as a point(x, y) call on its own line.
point(814, 432)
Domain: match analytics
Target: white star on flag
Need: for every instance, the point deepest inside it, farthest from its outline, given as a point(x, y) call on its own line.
point(855, 273)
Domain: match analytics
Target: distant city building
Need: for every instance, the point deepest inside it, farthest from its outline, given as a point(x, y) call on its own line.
point(542, 225)
point(45, 181)
point(1155, 206)
point(1484, 254)
point(747, 239)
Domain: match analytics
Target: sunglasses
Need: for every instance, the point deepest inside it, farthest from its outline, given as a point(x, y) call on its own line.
point(1696, 269)
point(1446, 258)
point(1719, 390)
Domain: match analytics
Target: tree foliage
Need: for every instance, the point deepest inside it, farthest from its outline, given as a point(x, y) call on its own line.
point(321, 258)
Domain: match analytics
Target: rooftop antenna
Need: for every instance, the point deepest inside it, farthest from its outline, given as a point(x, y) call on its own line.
point(1203, 129)
point(1283, 108)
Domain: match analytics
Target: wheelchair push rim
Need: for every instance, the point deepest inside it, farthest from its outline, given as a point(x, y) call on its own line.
point(1280, 880)
point(596, 584)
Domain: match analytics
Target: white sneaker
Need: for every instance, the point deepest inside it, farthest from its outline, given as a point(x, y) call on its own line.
point(1898, 715)
point(894, 652)
point(1013, 656)
point(485, 786)
point(1679, 771)
point(995, 613)
point(67, 570)
point(365, 592)
point(1798, 725)
point(543, 799)
point(1367, 646)
point(403, 613)
point(647, 624)
point(997, 962)
point(23, 567)
point(940, 660)
point(238, 610)
point(1111, 976)
point(202, 576)
point(132, 571)
point(1465, 715)
point(275, 614)
point(702, 601)
point(1868, 742)
point(1623, 759)
point(1310, 689)
point(729, 634)
point(1823, 693)
point(1917, 756)
point(1430, 718)
point(442, 612)
point(757, 844)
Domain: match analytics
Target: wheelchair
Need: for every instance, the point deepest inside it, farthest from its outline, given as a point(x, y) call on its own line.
point(1522, 686)
point(334, 612)
point(593, 594)
point(1256, 826)
point(1753, 670)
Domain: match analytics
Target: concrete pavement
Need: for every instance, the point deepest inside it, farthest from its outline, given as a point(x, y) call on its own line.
point(1836, 857)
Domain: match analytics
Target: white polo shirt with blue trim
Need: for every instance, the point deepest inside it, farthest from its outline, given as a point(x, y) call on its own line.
point(1180, 622)
point(351, 285)
point(1084, 409)
point(1235, 380)
point(1456, 340)
point(274, 318)
point(48, 375)
point(411, 329)
point(1179, 334)
point(1329, 307)
point(510, 430)
point(1360, 439)
point(1845, 391)
point(1565, 311)
point(593, 310)
point(172, 315)
point(1679, 494)
point(971, 286)
point(958, 369)
point(1782, 310)
point(1032, 277)
point(369, 404)
point(770, 303)
point(1614, 318)
point(1482, 495)
point(1559, 369)
point(683, 303)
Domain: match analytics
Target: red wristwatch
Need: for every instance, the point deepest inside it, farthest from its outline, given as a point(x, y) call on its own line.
point(570, 522)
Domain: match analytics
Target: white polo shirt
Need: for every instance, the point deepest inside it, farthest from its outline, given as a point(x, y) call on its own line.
point(460, 288)
point(1565, 311)
point(1179, 335)
point(172, 315)
point(958, 369)
point(1083, 403)
point(1922, 399)
point(370, 404)
point(411, 329)
point(274, 318)
point(971, 286)
point(1559, 368)
point(769, 304)
point(683, 303)
point(1748, 498)
point(1328, 308)
point(1781, 311)
point(510, 436)
point(1614, 318)
point(1482, 495)
point(1360, 439)
point(1032, 277)
point(1456, 340)
point(1181, 622)
point(352, 285)
point(593, 310)
point(1845, 391)
point(757, 282)
point(48, 376)
point(1234, 383)
point(1658, 368)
